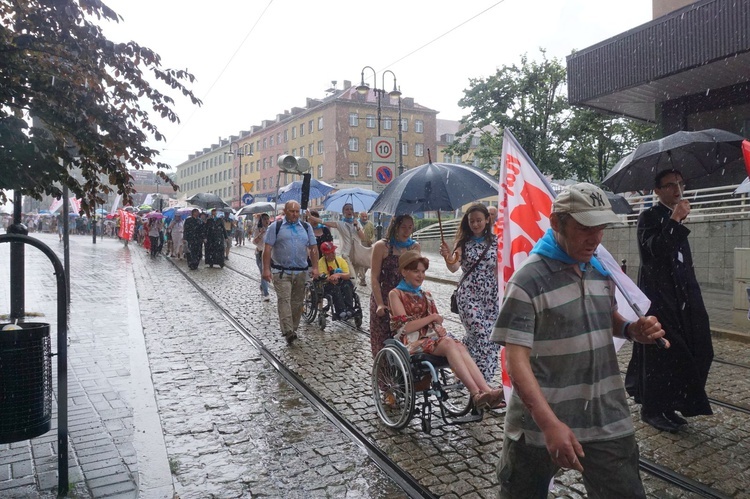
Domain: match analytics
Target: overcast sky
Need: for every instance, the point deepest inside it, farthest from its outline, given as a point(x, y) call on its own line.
point(253, 59)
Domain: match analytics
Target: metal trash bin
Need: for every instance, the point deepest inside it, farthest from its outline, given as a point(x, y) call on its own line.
point(25, 382)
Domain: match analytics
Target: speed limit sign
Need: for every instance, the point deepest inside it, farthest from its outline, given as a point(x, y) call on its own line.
point(384, 150)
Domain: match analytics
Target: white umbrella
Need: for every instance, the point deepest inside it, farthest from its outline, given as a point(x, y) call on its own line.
point(744, 187)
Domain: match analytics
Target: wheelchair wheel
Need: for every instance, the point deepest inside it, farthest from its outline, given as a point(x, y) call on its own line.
point(457, 400)
point(393, 387)
point(310, 308)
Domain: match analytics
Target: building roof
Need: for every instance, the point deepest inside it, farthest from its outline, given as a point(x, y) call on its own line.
point(702, 47)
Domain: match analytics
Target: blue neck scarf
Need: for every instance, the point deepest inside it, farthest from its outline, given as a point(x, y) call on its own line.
point(477, 238)
point(547, 246)
point(405, 286)
point(405, 244)
point(319, 226)
point(292, 224)
point(349, 220)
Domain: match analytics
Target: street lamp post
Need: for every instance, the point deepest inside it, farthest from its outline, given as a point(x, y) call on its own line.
point(363, 89)
point(240, 153)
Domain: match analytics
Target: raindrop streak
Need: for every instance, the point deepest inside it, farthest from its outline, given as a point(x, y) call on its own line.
point(683, 306)
point(585, 406)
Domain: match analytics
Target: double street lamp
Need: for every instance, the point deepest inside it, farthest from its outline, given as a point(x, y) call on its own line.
point(363, 89)
point(240, 153)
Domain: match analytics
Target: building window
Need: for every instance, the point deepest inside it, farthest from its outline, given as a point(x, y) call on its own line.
point(320, 123)
point(294, 132)
point(353, 119)
point(405, 148)
point(310, 149)
point(368, 145)
point(449, 138)
point(419, 126)
point(404, 125)
point(320, 171)
point(320, 147)
point(278, 138)
point(475, 141)
point(353, 144)
point(302, 152)
point(270, 141)
point(265, 162)
point(370, 121)
point(294, 151)
point(286, 135)
point(419, 150)
point(302, 130)
point(353, 169)
point(387, 123)
point(368, 170)
point(310, 126)
point(264, 184)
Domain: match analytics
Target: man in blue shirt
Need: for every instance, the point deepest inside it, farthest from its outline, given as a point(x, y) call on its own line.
point(288, 245)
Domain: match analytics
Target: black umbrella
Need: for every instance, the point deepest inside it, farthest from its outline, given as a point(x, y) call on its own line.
point(713, 155)
point(435, 187)
point(619, 204)
point(207, 200)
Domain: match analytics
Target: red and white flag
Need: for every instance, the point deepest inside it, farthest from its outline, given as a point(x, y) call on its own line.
point(127, 225)
point(524, 208)
point(56, 204)
point(75, 205)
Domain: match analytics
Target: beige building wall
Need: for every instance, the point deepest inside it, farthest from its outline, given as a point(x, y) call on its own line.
point(663, 7)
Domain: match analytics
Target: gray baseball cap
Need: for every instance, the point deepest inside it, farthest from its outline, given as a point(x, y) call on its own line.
point(587, 204)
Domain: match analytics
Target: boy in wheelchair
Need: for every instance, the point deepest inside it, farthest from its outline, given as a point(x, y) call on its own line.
point(337, 282)
point(416, 323)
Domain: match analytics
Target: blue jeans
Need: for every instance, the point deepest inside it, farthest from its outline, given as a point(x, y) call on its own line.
point(263, 283)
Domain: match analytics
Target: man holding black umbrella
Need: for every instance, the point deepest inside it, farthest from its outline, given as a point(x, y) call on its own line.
point(665, 381)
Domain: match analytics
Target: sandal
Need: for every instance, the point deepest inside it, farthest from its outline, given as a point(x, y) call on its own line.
point(497, 400)
point(481, 400)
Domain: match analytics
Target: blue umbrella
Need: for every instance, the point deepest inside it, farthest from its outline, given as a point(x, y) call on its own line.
point(361, 199)
point(293, 191)
point(169, 212)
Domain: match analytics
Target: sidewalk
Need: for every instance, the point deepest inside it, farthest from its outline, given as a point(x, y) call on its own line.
point(109, 382)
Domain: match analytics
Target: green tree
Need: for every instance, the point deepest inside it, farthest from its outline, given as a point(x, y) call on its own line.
point(91, 96)
point(593, 142)
point(529, 99)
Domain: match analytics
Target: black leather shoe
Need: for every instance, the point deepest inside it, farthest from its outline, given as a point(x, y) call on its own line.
point(290, 339)
point(675, 419)
point(660, 422)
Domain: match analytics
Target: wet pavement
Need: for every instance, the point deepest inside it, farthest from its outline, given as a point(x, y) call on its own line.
point(204, 415)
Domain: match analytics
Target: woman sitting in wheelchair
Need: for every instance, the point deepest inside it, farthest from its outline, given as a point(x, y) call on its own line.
point(417, 324)
point(338, 284)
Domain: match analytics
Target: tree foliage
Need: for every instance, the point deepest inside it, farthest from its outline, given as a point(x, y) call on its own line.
point(71, 97)
point(530, 100)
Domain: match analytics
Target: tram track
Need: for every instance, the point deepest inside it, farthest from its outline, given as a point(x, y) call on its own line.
point(658, 471)
point(395, 472)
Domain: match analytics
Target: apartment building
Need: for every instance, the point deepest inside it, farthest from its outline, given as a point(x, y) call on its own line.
point(335, 134)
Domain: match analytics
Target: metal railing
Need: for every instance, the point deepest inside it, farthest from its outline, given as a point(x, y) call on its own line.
point(433, 231)
point(711, 203)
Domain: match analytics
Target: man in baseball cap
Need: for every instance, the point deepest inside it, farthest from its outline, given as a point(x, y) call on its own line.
point(558, 316)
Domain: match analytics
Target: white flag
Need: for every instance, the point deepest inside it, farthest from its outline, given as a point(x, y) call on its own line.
point(524, 208)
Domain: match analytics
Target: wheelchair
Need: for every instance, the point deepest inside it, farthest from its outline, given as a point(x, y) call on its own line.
point(318, 304)
point(406, 385)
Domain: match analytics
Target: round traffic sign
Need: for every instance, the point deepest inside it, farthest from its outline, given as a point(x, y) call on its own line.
point(384, 174)
point(247, 198)
point(383, 150)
